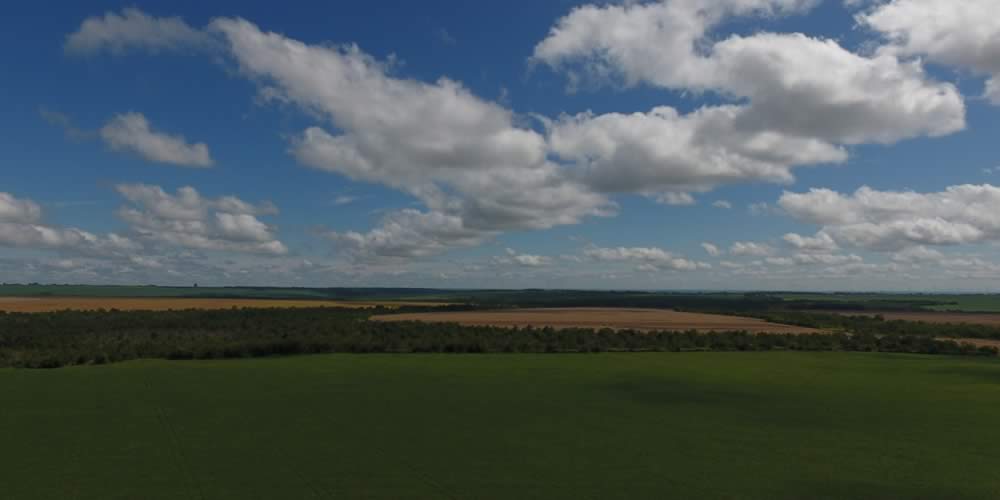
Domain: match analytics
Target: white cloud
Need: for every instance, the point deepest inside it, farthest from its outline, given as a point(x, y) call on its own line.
point(918, 253)
point(828, 259)
point(750, 248)
point(665, 151)
point(409, 234)
point(797, 86)
point(21, 226)
point(959, 33)
point(479, 169)
point(464, 158)
point(18, 210)
point(711, 249)
point(188, 220)
point(894, 220)
point(780, 261)
point(723, 204)
point(652, 42)
point(822, 242)
point(520, 259)
point(761, 209)
point(131, 132)
point(650, 258)
point(344, 200)
point(134, 30)
point(675, 199)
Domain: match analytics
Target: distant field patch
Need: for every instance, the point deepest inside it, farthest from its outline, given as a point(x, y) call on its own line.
point(986, 319)
point(48, 304)
point(977, 342)
point(597, 318)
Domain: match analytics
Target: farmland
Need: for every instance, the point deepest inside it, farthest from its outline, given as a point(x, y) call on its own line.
point(597, 318)
point(936, 317)
point(707, 425)
point(982, 303)
point(48, 304)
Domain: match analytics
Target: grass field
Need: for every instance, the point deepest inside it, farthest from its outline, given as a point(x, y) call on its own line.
point(706, 425)
point(47, 304)
point(601, 317)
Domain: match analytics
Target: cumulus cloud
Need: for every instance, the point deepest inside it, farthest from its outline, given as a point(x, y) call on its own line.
point(652, 42)
point(711, 249)
point(21, 226)
point(466, 159)
point(649, 258)
point(479, 169)
point(895, 220)
point(131, 132)
point(521, 259)
point(186, 219)
point(665, 150)
point(802, 99)
point(960, 33)
point(750, 248)
point(133, 29)
point(822, 242)
point(344, 200)
point(409, 234)
point(918, 254)
point(18, 210)
point(675, 199)
point(723, 204)
point(797, 86)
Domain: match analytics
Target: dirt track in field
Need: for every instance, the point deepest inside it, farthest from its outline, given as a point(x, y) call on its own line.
point(48, 304)
point(988, 319)
point(616, 318)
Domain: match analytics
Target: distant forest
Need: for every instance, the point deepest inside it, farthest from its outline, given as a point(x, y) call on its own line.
point(696, 301)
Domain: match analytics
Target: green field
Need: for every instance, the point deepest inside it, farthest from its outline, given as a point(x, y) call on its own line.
point(697, 425)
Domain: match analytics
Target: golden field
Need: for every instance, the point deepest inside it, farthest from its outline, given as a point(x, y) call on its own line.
point(600, 317)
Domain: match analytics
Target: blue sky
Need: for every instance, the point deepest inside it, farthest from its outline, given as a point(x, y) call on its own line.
point(678, 144)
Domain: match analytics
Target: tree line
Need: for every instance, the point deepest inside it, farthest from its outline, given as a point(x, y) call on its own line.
point(50, 340)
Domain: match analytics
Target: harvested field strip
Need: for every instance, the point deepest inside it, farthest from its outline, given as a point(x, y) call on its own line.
point(597, 318)
point(48, 304)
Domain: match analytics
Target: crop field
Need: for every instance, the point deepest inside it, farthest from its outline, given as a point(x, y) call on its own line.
point(705, 425)
point(986, 319)
point(979, 342)
point(981, 303)
point(47, 304)
point(601, 317)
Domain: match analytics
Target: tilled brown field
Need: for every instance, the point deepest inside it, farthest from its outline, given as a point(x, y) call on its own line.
point(987, 319)
point(616, 318)
point(48, 304)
